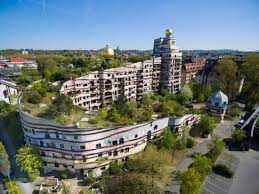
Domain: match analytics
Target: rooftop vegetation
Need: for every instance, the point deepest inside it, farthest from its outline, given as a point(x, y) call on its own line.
point(43, 100)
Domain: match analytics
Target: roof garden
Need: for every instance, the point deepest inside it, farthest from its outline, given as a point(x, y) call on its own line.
point(43, 100)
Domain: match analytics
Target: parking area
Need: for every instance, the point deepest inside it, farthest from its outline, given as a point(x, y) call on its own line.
point(216, 184)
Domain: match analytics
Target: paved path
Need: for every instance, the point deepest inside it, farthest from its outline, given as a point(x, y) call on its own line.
point(223, 130)
point(26, 188)
point(216, 184)
point(246, 178)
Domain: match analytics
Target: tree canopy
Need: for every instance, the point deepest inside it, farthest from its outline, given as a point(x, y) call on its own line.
point(28, 160)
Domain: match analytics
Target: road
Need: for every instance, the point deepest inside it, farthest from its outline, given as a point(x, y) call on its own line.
point(246, 177)
point(223, 130)
point(25, 186)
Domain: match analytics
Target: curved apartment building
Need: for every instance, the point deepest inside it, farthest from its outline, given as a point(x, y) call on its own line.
point(85, 149)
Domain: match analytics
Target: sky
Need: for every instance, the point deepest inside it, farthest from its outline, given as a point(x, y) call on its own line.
point(129, 24)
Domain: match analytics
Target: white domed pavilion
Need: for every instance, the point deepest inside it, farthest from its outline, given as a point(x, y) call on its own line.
point(217, 104)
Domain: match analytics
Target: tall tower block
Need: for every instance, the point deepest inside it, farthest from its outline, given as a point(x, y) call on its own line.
point(171, 62)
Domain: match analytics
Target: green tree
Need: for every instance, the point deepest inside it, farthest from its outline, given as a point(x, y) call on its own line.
point(28, 160)
point(239, 135)
point(12, 187)
point(250, 71)
point(147, 100)
point(168, 139)
point(190, 182)
point(151, 162)
point(215, 148)
point(206, 125)
point(65, 189)
point(4, 161)
point(202, 164)
point(227, 76)
point(115, 168)
point(185, 95)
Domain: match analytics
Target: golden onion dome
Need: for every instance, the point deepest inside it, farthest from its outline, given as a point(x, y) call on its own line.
point(168, 32)
point(107, 53)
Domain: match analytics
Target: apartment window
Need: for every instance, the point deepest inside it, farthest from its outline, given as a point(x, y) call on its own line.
point(126, 149)
point(63, 136)
point(57, 135)
point(121, 141)
point(62, 145)
point(100, 154)
point(136, 136)
point(72, 148)
point(75, 137)
point(115, 153)
point(122, 150)
point(98, 145)
point(216, 104)
point(47, 135)
point(114, 142)
point(33, 131)
point(103, 168)
point(41, 144)
point(82, 147)
point(64, 165)
point(109, 153)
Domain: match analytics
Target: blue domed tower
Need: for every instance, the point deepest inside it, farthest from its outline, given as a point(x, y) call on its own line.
point(217, 104)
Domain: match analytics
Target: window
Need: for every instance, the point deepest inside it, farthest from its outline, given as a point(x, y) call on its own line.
point(41, 144)
point(33, 131)
point(72, 148)
point(126, 149)
point(136, 145)
point(64, 165)
point(103, 168)
point(115, 153)
point(155, 127)
point(82, 147)
point(75, 137)
point(57, 135)
point(61, 145)
point(121, 141)
point(122, 150)
point(136, 136)
point(63, 136)
point(216, 104)
point(98, 145)
point(100, 154)
point(47, 135)
point(109, 153)
point(114, 142)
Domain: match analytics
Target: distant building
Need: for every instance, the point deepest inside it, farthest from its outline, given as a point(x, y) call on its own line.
point(217, 105)
point(19, 63)
point(8, 91)
point(24, 52)
point(190, 70)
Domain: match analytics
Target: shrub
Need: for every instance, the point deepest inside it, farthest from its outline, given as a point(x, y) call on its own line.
point(189, 143)
point(34, 175)
point(191, 182)
point(223, 170)
point(34, 97)
point(12, 187)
